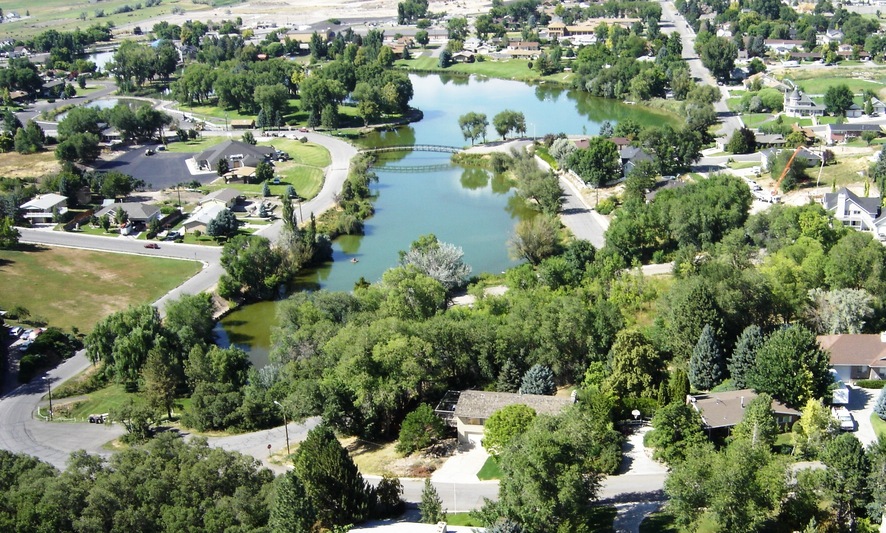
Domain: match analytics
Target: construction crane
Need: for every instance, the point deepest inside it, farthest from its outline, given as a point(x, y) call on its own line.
point(784, 172)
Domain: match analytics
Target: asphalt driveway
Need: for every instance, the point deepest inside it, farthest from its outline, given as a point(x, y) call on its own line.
point(861, 405)
point(159, 171)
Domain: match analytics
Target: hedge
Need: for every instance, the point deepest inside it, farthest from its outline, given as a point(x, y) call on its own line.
point(871, 383)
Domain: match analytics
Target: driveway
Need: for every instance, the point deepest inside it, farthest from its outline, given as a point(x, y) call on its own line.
point(861, 405)
point(159, 171)
point(463, 466)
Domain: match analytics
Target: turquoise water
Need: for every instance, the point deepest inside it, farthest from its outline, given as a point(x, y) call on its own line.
point(466, 207)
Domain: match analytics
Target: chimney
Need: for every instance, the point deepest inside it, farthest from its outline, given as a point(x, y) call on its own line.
point(841, 204)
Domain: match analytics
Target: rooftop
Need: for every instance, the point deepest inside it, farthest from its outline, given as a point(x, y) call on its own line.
point(44, 202)
point(137, 211)
point(481, 404)
point(222, 195)
point(871, 204)
point(726, 409)
point(855, 349)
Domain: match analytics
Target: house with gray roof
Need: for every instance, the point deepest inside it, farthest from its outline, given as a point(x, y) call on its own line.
point(137, 212)
point(630, 156)
point(40, 209)
point(768, 156)
point(227, 197)
point(846, 132)
point(202, 216)
point(238, 154)
point(862, 214)
point(798, 104)
point(468, 410)
point(721, 411)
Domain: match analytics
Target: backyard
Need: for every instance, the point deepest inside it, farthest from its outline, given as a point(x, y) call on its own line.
point(69, 287)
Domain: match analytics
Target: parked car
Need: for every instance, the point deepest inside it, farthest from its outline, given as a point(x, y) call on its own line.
point(153, 245)
point(847, 422)
point(303, 130)
point(161, 148)
point(16, 331)
point(149, 152)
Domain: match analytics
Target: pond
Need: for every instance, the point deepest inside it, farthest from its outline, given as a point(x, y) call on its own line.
point(466, 207)
point(101, 59)
point(109, 103)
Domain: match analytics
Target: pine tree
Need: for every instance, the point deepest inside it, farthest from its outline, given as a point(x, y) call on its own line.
point(509, 378)
point(266, 190)
point(538, 380)
point(431, 506)
point(292, 511)
point(880, 406)
point(744, 357)
point(678, 386)
point(706, 363)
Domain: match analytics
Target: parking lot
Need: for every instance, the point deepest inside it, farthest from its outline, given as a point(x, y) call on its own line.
point(159, 171)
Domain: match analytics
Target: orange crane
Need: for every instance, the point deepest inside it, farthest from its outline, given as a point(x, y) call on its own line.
point(785, 171)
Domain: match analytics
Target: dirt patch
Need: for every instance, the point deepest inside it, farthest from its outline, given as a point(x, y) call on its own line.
point(15, 165)
point(380, 459)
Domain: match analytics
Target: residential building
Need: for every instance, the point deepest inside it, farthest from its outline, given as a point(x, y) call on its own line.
point(768, 156)
point(862, 214)
point(798, 104)
point(40, 209)
point(463, 57)
point(854, 111)
point(527, 46)
point(468, 410)
point(200, 218)
point(836, 133)
point(237, 153)
point(630, 156)
point(878, 105)
point(226, 197)
point(721, 411)
point(856, 356)
point(137, 212)
point(780, 46)
point(830, 36)
point(243, 124)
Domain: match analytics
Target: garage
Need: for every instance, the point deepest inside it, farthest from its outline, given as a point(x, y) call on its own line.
point(474, 438)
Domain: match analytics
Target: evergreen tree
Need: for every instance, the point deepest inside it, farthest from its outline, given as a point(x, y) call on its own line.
point(744, 357)
point(266, 190)
point(706, 363)
point(261, 120)
point(880, 406)
point(291, 511)
point(538, 380)
point(758, 425)
point(509, 378)
point(222, 167)
point(678, 386)
point(288, 214)
point(290, 192)
point(431, 506)
point(331, 480)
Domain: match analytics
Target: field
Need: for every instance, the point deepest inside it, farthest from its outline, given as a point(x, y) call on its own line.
point(821, 85)
point(15, 165)
point(69, 287)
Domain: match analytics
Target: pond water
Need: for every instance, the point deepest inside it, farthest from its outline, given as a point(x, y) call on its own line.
point(109, 103)
point(101, 59)
point(466, 207)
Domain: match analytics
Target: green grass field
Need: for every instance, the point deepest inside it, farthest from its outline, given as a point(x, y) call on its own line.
point(98, 402)
point(490, 470)
point(879, 425)
point(70, 287)
point(821, 85)
point(462, 519)
point(195, 146)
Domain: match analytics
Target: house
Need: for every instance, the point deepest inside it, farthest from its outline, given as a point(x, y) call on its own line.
point(137, 212)
point(798, 104)
point(52, 88)
point(769, 140)
point(846, 132)
point(768, 156)
point(671, 184)
point(463, 57)
point(830, 36)
point(200, 218)
point(40, 209)
point(862, 214)
point(854, 111)
point(721, 411)
point(524, 46)
point(878, 105)
point(237, 153)
point(226, 197)
point(780, 46)
point(468, 410)
point(630, 156)
point(856, 356)
point(18, 96)
point(558, 30)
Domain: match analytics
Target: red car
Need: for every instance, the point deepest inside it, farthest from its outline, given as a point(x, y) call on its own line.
point(153, 245)
point(303, 130)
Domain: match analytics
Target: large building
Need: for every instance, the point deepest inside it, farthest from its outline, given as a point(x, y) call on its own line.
point(42, 208)
point(798, 104)
point(238, 154)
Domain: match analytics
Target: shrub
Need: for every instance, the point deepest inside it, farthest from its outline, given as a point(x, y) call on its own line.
point(871, 383)
point(28, 366)
point(606, 206)
point(421, 428)
point(880, 406)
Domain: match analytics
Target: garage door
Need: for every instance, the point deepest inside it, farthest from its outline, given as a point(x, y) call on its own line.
point(474, 438)
point(844, 372)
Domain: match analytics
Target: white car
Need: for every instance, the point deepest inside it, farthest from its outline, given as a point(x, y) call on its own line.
point(847, 422)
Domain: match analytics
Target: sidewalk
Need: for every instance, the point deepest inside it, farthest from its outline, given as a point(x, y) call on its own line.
point(462, 467)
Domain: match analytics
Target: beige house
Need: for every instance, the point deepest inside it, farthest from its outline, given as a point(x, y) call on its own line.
point(856, 356)
point(227, 197)
point(472, 408)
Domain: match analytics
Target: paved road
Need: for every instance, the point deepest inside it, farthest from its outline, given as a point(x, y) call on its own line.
point(32, 111)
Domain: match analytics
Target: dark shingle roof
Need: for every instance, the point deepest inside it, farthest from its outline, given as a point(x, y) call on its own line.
point(871, 205)
point(227, 149)
point(726, 409)
point(481, 404)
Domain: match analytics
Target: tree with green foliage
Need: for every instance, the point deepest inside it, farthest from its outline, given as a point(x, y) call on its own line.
point(9, 235)
point(508, 121)
point(640, 179)
point(253, 268)
point(291, 510)
point(539, 379)
point(431, 506)
point(535, 239)
point(222, 167)
point(838, 98)
point(410, 294)
point(880, 406)
point(675, 429)
point(791, 366)
point(757, 425)
point(876, 481)
point(744, 356)
point(422, 37)
point(706, 363)
point(815, 428)
point(249, 138)
point(635, 366)
point(743, 141)
point(138, 417)
point(718, 55)
point(504, 426)
point(845, 478)
point(441, 261)
point(331, 480)
point(473, 126)
point(161, 377)
point(123, 340)
point(420, 429)
point(678, 386)
point(840, 311)
point(509, 378)
point(225, 224)
point(597, 164)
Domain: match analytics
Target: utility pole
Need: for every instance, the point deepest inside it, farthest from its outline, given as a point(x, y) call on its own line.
point(285, 426)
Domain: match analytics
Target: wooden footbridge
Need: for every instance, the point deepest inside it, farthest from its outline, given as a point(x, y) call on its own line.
point(413, 148)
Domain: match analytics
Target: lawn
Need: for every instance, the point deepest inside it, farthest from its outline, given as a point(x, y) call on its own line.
point(879, 425)
point(89, 89)
point(753, 120)
point(490, 470)
point(98, 402)
point(69, 287)
point(303, 153)
point(516, 69)
point(195, 146)
point(821, 85)
point(660, 522)
point(462, 519)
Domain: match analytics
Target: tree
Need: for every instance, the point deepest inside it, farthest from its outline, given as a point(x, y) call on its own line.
point(249, 138)
point(473, 126)
point(264, 172)
point(880, 406)
point(222, 167)
point(421, 428)
point(431, 506)
point(445, 58)
point(757, 425)
point(441, 261)
point(509, 378)
point(457, 28)
point(535, 239)
point(840, 311)
point(137, 417)
point(9, 235)
point(816, 427)
point(422, 38)
point(224, 224)
point(331, 480)
point(706, 363)
point(117, 185)
point(504, 426)
point(292, 510)
point(190, 319)
point(266, 192)
point(636, 367)
point(795, 173)
point(845, 477)
point(744, 356)
point(676, 429)
point(538, 380)
point(640, 179)
point(252, 268)
point(718, 55)
point(597, 164)
point(743, 141)
point(791, 366)
point(410, 294)
point(161, 380)
point(508, 121)
point(837, 99)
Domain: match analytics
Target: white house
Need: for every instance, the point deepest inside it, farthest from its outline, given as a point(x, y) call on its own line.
point(862, 214)
point(40, 209)
point(798, 104)
point(878, 105)
point(200, 218)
